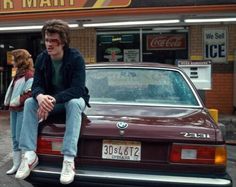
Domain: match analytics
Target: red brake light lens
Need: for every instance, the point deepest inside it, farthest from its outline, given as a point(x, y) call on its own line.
point(198, 154)
point(49, 145)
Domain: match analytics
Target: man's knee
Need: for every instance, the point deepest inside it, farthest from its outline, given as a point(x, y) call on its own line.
point(80, 103)
point(30, 101)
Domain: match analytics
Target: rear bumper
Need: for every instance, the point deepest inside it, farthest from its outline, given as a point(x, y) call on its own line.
point(127, 178)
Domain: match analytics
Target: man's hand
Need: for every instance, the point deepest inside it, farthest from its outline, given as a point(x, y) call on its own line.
point(46, 105)
point(42, 115)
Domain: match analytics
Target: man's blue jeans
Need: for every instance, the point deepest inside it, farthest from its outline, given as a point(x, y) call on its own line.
point(29, 131)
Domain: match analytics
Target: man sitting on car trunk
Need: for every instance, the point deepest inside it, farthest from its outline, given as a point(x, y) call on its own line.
point(59, 85)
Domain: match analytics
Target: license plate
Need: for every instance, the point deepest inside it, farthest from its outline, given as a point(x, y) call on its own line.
point(121, 150)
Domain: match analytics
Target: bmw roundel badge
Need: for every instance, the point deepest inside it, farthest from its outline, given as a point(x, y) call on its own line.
point(121, 125)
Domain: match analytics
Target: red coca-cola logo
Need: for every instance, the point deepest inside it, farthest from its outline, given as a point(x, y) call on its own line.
point(166, 42)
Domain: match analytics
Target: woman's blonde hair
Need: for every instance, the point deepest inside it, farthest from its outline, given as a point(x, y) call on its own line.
point(23, 60)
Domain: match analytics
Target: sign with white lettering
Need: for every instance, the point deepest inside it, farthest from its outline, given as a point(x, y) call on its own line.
point(16, 6)
point(215, 44)
point(166, 42)
point(131, 55)
point(199, 71)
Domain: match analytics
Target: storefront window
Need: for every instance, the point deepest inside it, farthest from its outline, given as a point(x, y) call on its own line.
point(143, 45)
point(118, 47)
point(164, 47)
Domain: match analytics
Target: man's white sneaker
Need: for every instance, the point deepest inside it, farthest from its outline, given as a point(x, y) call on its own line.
point(67, 173)
point(26, 167)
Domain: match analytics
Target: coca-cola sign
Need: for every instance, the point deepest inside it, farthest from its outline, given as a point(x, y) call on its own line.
point(166, 42)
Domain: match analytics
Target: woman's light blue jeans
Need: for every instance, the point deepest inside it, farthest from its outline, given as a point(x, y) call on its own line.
point(16, 118)
point(29, 131)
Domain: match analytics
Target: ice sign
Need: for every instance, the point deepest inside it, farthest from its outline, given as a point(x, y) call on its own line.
point(215, 45)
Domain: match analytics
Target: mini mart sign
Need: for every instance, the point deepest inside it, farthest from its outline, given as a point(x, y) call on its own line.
point(24, 6)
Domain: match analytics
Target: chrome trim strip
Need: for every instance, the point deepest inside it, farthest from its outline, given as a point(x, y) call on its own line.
point(145, 104)
point(145, 177)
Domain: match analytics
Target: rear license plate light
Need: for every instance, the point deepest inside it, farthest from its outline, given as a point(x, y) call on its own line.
point(189, 154)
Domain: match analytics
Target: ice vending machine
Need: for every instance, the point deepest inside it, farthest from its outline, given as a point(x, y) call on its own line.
point(199, 71)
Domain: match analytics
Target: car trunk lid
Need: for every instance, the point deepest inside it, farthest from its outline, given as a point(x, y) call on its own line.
point(150, 130)
point(152, 123)
point(146, 122)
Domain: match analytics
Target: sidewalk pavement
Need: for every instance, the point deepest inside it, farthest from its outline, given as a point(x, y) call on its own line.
point(4, 113)
point(227, 124)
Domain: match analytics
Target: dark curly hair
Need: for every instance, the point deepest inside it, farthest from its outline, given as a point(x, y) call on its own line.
point(57, 26)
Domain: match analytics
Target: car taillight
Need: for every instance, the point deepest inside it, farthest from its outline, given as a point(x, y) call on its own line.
point(198, 154)
point(49, 145)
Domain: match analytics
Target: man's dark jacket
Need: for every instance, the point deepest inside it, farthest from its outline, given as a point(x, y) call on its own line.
point(72, 70)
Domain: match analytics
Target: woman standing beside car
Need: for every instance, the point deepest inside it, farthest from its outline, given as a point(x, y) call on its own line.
point(18, 91)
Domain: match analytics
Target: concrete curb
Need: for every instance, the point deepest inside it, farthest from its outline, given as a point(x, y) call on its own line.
point(4, 114)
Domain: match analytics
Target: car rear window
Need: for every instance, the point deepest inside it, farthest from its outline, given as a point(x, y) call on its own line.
point(140, 86)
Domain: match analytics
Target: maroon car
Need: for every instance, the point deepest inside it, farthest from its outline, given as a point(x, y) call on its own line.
point(146, 126)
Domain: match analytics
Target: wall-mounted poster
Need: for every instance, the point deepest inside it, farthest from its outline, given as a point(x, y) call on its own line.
point(113, 54)
point(215, 44)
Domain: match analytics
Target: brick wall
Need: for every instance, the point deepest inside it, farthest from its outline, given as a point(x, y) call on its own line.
point(85, 41)
point(221, 95)
point(195, 42)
